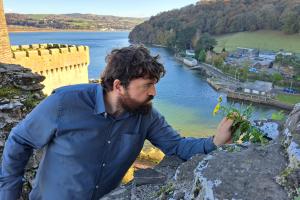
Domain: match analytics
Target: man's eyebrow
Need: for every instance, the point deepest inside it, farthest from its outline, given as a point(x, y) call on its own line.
point(150, 83)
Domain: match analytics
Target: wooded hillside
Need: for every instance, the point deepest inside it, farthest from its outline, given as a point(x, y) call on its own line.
point(182, 28)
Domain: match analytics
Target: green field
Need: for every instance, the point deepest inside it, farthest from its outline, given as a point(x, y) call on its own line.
point(289, 99)
point(263, 40)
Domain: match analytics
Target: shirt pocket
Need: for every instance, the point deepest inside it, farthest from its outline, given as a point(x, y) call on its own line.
point(129, 138)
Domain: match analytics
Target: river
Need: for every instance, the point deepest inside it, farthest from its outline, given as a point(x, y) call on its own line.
point(183, 95)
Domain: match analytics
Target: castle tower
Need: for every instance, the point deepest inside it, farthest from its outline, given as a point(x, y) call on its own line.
point(5, 51)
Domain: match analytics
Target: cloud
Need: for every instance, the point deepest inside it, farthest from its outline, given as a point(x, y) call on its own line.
point(9, 10)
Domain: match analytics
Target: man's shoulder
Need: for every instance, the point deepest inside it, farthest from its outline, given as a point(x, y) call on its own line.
point(76, 88)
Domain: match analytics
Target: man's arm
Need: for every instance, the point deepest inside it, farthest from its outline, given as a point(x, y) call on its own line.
point(34, 132)
point(162, 135)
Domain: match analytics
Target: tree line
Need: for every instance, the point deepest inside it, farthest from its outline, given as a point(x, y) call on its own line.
point(72, 21)
point(182, 28)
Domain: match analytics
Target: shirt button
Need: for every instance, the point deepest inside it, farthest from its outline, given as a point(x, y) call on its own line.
point(97, 186)
point(103, 164)
point(108, 141)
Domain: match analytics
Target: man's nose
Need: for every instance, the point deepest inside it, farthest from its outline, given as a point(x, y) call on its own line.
point(152, 91)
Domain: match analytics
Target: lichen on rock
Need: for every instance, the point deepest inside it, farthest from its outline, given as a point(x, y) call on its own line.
point(237, 171)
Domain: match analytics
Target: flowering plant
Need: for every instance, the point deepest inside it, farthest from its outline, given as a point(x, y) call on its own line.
point(242, 130)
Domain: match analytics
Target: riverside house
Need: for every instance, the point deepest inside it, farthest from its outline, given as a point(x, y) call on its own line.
point(258, 88)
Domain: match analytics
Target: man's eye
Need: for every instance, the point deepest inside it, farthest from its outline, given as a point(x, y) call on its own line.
point(147, 85)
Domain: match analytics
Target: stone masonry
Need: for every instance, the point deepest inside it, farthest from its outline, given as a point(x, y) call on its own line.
point(5, 51)
point(61, 64)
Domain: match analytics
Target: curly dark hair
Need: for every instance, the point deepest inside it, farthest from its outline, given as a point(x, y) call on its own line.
point(130, 63)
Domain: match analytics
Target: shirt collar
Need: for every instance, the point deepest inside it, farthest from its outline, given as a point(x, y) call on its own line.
point(99, 106)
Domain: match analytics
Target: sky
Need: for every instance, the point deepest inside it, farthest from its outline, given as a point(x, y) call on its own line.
point(124, 8)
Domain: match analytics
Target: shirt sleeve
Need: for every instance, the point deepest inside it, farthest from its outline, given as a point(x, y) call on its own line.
point(163, 136)
point(34, 132)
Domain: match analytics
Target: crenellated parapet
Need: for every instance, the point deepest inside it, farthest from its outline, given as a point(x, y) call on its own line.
point(61, 64)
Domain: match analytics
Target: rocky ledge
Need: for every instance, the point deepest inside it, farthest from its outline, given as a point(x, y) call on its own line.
point(20, 92)
point(246, 171)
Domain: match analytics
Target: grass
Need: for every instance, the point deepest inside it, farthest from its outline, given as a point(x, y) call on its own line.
point(38, 16)
point(289, 99)
point(31, 102)
point(263, 40)
point(9, 92)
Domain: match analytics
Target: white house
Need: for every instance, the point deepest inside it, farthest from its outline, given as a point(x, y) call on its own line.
point(258, 87)
point(191, 62)
point(190, 52)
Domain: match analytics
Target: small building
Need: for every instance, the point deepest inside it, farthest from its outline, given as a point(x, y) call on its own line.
point(267, 56)
point(263, 64)
point(247, 52)
point(258, 87)
point(191, 62)
point(284, 53)
point(190, 53)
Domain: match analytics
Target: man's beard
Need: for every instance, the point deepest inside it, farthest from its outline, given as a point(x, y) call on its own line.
point(132, 106)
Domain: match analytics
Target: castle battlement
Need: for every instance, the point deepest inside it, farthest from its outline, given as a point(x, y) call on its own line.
point(46, 49)
point(61, 64)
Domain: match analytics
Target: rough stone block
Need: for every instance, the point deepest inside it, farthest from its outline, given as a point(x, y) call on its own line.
point(80, 48)
point(50, 45)
point(72, 49)
point(56, 45)
point(54, 51)
point(14, 48)
point(19, 54)
point(34, 46)
point(148, 176)
point(31, 53)
point(43, 46)
point(64, 50)
point(43, 52)
point(24, 47)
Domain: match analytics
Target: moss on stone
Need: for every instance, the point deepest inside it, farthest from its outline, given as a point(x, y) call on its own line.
point(30, 102)
point(286, 172)
point(166, 190)
point(9, 92)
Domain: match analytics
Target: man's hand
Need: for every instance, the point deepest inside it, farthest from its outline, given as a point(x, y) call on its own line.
point(223, 134)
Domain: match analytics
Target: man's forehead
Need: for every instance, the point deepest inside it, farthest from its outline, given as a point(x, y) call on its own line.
point(143, 80)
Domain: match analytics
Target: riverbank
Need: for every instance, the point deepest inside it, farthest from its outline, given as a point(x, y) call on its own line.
point(33, 29)
point(225, 83)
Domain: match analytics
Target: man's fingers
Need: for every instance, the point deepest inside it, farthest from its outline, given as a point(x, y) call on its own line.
point(229, 141)
point(227, 122)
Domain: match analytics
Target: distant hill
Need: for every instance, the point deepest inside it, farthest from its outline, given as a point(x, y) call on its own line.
point(183, 27)
point(74, 21)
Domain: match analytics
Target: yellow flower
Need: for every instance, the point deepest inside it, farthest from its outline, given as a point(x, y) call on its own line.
point(217, 108)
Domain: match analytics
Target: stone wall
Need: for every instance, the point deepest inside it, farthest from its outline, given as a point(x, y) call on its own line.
point(5, 52)
point(244, 172)
point(20, 92)
point(60, 64)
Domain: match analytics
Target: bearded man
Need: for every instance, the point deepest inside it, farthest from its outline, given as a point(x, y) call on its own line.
point(92, 133)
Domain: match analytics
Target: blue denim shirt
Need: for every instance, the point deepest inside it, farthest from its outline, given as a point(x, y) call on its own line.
point(86, 151)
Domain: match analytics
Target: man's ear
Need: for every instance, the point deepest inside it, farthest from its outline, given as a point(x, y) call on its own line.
point(117, 86)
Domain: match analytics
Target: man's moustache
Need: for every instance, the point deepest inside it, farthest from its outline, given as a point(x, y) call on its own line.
point(150, 98)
